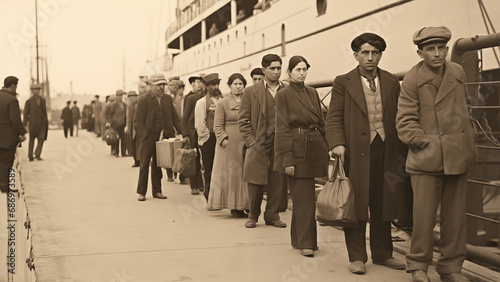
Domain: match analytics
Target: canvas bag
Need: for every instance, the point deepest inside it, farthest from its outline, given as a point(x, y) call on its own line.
point(110, 136)
point(185, 162)
point(335, 204)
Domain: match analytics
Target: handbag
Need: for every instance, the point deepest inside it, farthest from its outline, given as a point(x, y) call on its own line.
point(110, 136)
point(335, 205)
point(185, 161)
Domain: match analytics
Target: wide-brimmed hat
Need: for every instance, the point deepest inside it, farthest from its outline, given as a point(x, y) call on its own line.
point(431, 34)
point(191, 79)
point(157, 78)
point(211, 78)
point(35, 86)
point(131, 93)
point(119, 92)
point(180, 83)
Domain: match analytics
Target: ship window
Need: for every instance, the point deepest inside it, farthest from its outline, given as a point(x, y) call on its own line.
point(283, 42)
point(245, 30)
point(244, 48)
point(321, 7)
point(236, 35)
point(221, 41)
point(228, 38)
point(215, 44)
point(208, 47)
point(263, 41)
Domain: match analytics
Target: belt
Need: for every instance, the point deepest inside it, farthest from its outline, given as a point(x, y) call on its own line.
point(301, 130)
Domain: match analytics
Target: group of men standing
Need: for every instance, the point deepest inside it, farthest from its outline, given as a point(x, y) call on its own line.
point(71, 118)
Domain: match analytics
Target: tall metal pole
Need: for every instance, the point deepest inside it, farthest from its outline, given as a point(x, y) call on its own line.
point(36, 27)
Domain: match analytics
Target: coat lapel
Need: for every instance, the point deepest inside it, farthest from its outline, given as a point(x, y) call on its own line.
point(355, 89)
point(310, 107)
point(449, 83)
point(260, 95)
point(385, 87)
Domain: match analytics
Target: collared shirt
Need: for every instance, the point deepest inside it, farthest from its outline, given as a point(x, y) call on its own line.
point(200, 118)
point(376, 81)
point(271, 90)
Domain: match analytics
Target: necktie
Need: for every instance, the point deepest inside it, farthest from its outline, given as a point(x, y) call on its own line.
point(370, 78)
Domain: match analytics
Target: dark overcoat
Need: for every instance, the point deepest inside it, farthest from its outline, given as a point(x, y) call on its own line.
point(116, 115)
point(36, 116)
point(67, 116)
point(253, 122)
point(298, 106)
point(145, 115)
point(188, 117)
point(10, 120)
point(347, 124)
point(131, 109)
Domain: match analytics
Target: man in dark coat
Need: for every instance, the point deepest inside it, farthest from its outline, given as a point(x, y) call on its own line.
point(67, 117)
point(76, 117)
point(256, 122)
point(189, 132)
point(361, 131)
point(129, 129)
point(12, 129)
point(96, 115)
point(35, 113)
point(155, 113)
point(116, 118)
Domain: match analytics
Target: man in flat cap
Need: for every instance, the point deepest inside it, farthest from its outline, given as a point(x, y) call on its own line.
point(204, 114)
point(361, 131)
point(155, 113)
point(189, 131)
point(12, 129)
point(35, 113)
point(117, 119)
point(257, 75)
point(256, 121)
point(434, 120)
point(129, 128)
point(67, 118)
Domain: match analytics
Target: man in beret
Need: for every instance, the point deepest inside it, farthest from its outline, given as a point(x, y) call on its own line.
point(67, 117)
point(361, 132)
point(189, 132)
point(257, 75)
point(129, 128)
point(117, 119)
point(35, 113)
point(434, 120)
point(12, 129)
point(155, 113)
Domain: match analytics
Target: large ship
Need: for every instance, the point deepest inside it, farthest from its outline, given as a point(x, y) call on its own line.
point(319, 30)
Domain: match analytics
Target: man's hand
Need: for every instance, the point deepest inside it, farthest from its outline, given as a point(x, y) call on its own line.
point(338, 151)
point(126, 129)
point(224, 143)
point(185, 141)
point(290, 170)
point(22, 138)
point(108, 124)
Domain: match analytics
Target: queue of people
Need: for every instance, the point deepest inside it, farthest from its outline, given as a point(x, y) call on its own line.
point(274, 137)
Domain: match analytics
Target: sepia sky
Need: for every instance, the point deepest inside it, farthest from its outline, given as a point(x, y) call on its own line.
point(85, 41)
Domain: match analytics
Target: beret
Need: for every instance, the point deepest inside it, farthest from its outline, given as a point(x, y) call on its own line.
point(366, 38)
point(431, 34)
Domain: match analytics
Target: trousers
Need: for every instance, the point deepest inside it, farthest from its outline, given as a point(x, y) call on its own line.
point(148, 152)
point(303, 232)
point(40, 138)
point(207, 157)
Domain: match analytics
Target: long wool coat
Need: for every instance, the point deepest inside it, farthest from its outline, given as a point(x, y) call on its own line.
point(36, 116)
point(347, 124)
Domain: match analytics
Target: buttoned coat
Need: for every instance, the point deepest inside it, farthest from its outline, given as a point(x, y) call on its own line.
point(131, 109)
point(11, 126)
point(253, 120)
point(436, 125)
point(36, 117)
point(347, 124)
point(298, 106)
point(117, 116)
point(145, 116)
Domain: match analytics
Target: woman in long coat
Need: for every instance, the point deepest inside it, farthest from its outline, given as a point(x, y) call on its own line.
point(301, 151)
point(227, 189)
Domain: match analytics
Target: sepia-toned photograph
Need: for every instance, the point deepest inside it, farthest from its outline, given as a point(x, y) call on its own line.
point(249, 140)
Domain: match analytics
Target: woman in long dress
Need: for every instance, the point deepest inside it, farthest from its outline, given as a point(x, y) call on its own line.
point(227, 190)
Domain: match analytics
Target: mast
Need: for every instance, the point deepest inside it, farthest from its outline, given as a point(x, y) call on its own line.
point(47, 84)
point(123, 71)
point(36, 39)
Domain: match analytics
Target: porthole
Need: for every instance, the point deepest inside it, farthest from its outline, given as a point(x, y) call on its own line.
point(321, 7)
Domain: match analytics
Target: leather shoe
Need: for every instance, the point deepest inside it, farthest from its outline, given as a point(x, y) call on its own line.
point(201, 189)
point(38, 158)
point(136, 165)
point(276, 223)
point(195, 192)
point(170, 179)
point(420, 276)
point(315, 249)
point(251, 223)
point(159, 196)
point(307, 252)
point(357, 267)
point(391, 263)
point(142, 197)
point(454, 277)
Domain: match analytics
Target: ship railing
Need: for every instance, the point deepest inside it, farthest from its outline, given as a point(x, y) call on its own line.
point(465, 52)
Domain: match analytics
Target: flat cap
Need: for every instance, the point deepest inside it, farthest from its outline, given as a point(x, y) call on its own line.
point(211, 78)
point(256, 71)
point(35, 86)
point(131, 93)
point(180, 83)
point(157, 78)
point(173, 78)
point(191, 79)
point(112, 98)
point(370, 38)
point(119, 92)
point(431, 34)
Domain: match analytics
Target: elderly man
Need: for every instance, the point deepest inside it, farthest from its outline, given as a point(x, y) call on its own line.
point(129, 128)
point(434, 120)
point(361, 131)
point(189, 131)
point(155, 113)
point(12, 129)
point(35, 113)
point(117, 119)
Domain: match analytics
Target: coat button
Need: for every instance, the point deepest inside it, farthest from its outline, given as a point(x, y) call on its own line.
point(362, 155)
point(363, 134)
